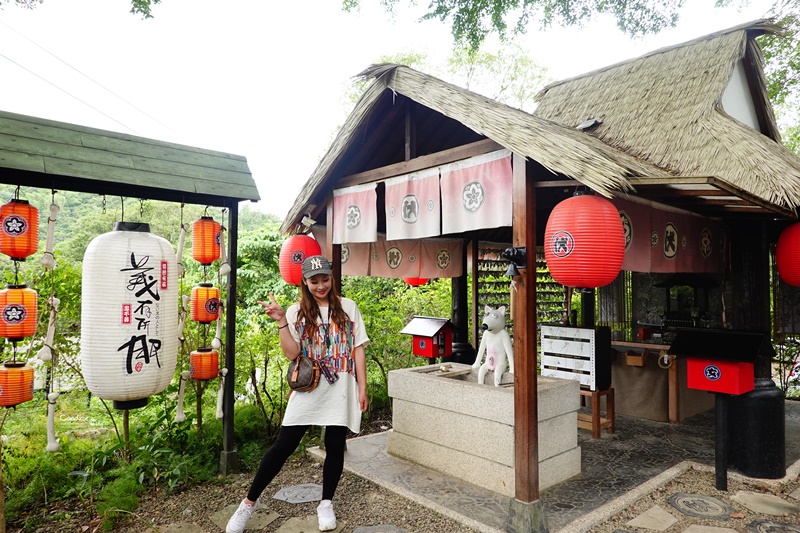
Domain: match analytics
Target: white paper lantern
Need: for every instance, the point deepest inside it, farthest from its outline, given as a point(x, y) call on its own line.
point(129, 315)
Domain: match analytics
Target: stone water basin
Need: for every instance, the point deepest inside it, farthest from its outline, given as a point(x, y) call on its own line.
point(446, 421)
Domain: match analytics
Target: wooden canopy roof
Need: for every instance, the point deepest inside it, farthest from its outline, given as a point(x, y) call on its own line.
point(55, 155)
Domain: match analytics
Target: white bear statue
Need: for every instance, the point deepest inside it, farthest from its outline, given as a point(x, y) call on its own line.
point(495, 344)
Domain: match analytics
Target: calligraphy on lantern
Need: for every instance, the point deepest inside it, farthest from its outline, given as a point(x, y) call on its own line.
point(143, 281)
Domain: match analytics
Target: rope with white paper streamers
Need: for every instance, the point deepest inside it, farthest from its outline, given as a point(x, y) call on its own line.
point(48, 259)
point(224, 268)
point(179, 415)
point(221, 392)
point(182, 323)
point(217, 342)
point(45, 353)
point(52, 443)
point(181, 240)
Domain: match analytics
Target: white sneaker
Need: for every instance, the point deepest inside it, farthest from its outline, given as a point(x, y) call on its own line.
point(327, 520)
point(239, 519)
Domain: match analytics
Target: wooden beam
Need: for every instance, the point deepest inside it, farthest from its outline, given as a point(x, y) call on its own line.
point(426, 161)
point(523, 307)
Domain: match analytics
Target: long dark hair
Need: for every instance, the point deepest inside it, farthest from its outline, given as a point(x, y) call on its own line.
point(309, 309)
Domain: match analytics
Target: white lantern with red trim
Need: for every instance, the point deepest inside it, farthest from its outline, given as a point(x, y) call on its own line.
point(129, 315)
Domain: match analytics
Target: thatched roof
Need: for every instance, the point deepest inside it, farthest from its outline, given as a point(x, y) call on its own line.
point(666, 108)
point(662, 129)
point(562, 150)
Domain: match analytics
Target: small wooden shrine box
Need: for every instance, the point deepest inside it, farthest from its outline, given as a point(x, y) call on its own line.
point(433, 337)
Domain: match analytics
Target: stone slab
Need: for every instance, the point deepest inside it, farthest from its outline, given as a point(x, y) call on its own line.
point(697, 528)
point(308, 524)
point(765, 503)
point(476, 470)
point(655, 518)
point(261, 518)
point(770, 526)
point(181, 527)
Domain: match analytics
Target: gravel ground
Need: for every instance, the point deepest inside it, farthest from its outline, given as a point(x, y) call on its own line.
point(701, 480)
point(362, 503)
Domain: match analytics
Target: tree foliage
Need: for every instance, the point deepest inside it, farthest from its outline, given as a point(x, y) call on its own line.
point(138, 7)
point(471, 22)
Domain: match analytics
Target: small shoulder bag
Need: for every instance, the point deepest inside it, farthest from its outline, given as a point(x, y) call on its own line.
point(303, 374)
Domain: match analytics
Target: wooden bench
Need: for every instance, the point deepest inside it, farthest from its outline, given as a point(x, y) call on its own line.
point(594, 421)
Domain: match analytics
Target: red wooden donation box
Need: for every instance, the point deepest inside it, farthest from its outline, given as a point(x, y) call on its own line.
point(714, 375)
point(432, 337)
point(722, 360)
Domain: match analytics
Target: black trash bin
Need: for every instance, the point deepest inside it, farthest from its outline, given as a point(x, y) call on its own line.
point(757, 431)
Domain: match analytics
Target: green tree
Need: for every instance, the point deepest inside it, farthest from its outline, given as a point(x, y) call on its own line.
point(471, 22)
point(138, 7)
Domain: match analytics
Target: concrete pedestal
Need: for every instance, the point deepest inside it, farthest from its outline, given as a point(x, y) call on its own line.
point(446, 421)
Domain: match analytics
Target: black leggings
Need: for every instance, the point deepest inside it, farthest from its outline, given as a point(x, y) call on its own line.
point(288, 439)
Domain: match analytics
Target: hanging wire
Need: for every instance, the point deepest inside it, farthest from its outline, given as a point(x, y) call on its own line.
point(141, 208)
point(122, 207)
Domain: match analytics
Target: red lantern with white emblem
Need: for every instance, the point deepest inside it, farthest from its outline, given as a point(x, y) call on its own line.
point(416, 282)
point(787, 255)
point(584, 243)
point(293, 252)
point(204, 305)
point(18, 312)
point(19, 237)
point(205, 240)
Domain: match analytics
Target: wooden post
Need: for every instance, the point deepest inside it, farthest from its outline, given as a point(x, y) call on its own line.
point(526, 408)
point(229, 457)
point(526, 511)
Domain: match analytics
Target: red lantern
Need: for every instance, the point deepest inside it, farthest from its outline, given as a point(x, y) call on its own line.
point(204, 364)
point(584, 243)
point(20, 236)
point(204, 305)
point(293, 252)
point(416, 282)
point(16, 384)
point(787, 255)
point(18, 312)
point(205, 240)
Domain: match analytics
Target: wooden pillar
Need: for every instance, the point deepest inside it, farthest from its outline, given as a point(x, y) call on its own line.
point(526, 408)
point(526, 512)
point(333, 251)
point(228, 461)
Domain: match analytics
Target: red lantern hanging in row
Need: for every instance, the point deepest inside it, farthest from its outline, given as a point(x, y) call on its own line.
point(16, 383)
point(787, 255)
point(584, 242)
point(19, 237)
point(18, 312)
point(416, 282)
point(205, 240)
point(204, 364)
point(294, 251)
point(204, 306)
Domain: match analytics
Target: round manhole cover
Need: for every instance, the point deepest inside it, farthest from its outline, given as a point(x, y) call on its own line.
point(768, 526)
point(700, 506)
point(307, 492)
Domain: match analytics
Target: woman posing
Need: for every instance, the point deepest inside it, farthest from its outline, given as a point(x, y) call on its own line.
point(329, 328)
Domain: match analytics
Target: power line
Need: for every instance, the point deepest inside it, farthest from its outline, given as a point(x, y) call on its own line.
point(88, 78)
